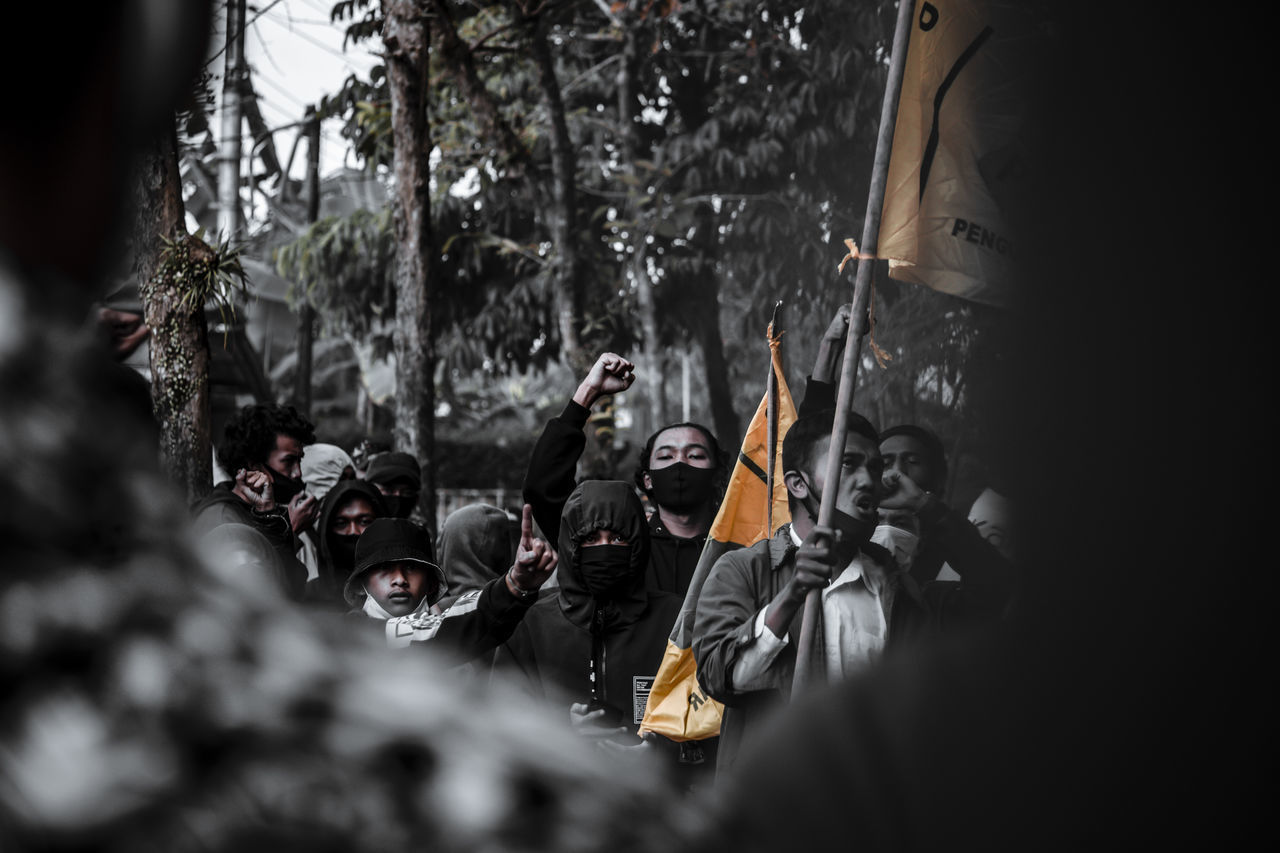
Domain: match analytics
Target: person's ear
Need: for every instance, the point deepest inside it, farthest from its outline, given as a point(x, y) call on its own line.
point(797, 485)
point(648, 482)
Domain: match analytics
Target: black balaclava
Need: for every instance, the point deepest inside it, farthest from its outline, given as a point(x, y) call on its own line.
point(342, 551)
point(596, 505)
point(606, 570)
point(399, 506)
point(337, 553)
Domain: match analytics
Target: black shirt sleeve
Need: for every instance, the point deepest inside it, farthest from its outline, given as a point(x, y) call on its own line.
point(551, 476)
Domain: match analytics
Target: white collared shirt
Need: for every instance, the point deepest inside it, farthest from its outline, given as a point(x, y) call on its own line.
point(855, 626)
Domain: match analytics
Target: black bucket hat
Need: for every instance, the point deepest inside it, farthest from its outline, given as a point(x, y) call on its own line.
point(386, 541)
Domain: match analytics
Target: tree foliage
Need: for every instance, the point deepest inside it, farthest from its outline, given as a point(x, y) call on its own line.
point(721, 154)
point(343, 268)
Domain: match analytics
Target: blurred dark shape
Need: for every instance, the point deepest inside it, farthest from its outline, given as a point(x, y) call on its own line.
point(1115, 710)
point(149, 702)
point(243, 556)
point(477, 544)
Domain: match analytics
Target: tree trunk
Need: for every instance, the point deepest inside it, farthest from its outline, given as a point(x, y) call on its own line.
point(635, 268)
point(723, 416)
point(562, 212)
point(716, 368)
point(179, 339)
point(459, 64)
point(406, 38)
point(561, 217)
point(307, 314)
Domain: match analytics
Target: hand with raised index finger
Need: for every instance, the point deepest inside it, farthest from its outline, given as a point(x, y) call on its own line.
point(535, 559)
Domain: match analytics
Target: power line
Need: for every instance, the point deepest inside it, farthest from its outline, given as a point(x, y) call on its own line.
point(240, 34)
point(346, 59)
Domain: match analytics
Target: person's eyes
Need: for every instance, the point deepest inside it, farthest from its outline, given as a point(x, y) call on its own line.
point(617, 540)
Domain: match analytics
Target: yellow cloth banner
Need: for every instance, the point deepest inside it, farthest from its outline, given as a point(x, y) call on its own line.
point(957, 154)
point(677, 707)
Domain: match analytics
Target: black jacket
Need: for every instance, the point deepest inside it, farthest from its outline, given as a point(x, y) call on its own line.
point(473, 625)
point(552, 650)
point(550, 480)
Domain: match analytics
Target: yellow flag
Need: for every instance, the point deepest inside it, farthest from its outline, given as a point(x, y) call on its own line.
point(678, 708)
point(957, 153)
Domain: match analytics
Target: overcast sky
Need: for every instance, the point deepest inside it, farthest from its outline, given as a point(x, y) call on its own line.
point(295, 56)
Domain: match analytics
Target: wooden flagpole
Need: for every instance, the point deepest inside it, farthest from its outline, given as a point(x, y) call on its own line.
point(771, 412)
point(804, 678)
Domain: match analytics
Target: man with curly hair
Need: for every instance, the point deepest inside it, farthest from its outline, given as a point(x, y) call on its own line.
point(263, 445)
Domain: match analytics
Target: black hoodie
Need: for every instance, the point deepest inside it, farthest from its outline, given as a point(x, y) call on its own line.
point(554, 647)
point(327, 587)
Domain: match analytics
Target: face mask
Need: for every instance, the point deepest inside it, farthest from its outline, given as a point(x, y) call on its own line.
point(606, 570)
point(853, 533)
point(343, 551)
point(399, 506)
point(902, 544)
point(682, 487)
point(284, 488)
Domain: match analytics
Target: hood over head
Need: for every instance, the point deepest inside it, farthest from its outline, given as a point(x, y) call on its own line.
point(322, 467)
point(596, 505)
point(336, 497)
point(477, 544)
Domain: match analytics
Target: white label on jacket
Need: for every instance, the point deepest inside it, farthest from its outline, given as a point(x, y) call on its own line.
point(640, 687)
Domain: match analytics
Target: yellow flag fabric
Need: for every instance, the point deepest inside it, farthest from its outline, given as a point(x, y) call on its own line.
point(957, 154)
point(678, 708)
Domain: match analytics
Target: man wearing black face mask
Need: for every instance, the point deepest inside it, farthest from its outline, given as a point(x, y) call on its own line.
point(680, 469)
point(348, 508)
point(264, 445)
point(596, 645)
point(398, 476)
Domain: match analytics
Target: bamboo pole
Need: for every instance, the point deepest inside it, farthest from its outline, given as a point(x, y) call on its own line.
point(804, 678)
point(306, 314)
point(230, 143)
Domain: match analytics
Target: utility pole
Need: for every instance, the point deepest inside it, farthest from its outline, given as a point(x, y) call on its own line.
point(306, 316)
point(229, 144)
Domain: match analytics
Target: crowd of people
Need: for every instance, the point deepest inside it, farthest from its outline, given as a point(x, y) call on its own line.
point(294, 666)
point(580, 622)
